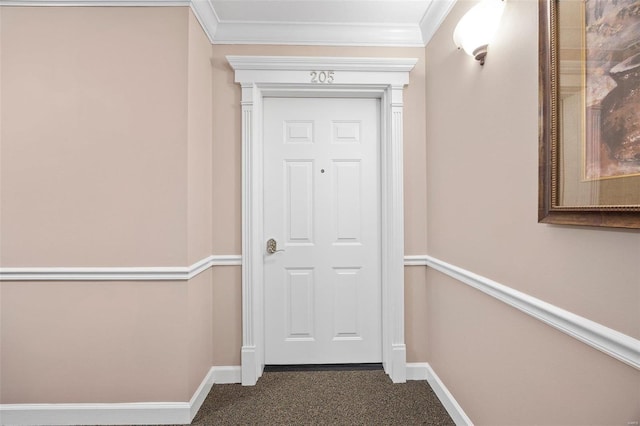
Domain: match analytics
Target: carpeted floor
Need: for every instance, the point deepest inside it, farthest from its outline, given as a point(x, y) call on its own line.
point(323, 398)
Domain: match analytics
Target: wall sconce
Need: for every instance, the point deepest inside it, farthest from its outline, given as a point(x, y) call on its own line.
point(477, 27)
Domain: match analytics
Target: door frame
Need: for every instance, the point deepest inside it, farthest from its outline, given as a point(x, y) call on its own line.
point(289, 76)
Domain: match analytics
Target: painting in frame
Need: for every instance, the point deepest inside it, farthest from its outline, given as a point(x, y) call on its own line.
point(589, 73)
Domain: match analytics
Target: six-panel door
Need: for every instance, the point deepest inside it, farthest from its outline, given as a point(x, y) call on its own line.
point(322, 206)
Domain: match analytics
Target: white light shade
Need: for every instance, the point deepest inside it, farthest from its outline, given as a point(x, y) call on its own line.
point(477, 27)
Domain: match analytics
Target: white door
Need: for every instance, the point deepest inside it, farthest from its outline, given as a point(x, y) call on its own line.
point(322, 207)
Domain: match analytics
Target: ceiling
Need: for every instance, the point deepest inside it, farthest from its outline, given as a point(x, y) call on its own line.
point(306, 22)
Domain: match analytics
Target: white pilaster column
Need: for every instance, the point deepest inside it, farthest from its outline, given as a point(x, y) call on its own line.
point(398, 371)
point(249, 360)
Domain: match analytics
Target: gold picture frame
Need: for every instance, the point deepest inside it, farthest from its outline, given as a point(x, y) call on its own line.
point(589, 94)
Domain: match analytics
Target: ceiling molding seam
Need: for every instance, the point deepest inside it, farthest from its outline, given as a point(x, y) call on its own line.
point(433, 17)
point(207, 16)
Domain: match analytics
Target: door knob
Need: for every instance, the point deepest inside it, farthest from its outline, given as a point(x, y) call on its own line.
point(272, 246)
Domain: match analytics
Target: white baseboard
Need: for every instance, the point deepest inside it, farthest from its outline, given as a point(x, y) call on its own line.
point(181, 412)
point(417, 370)
point(136, 413)
point(95, 414)
point(446, 398)
point(224, 375)
point(201, 393)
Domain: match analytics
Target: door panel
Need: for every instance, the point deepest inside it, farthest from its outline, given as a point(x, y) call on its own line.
point(299, 193)
point(300, 285)
point(345, 315)
point(322, 206)
point(347, 210)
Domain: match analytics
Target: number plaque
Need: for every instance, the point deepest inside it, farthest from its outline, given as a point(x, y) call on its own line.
point(322, 77)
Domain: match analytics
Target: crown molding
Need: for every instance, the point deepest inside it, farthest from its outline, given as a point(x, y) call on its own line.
point(433, 17)
point(206, 16)
point(322, 34)
point(284, 33)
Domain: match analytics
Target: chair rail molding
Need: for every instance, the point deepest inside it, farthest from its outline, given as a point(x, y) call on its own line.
point(611, 342)
point(144, 273)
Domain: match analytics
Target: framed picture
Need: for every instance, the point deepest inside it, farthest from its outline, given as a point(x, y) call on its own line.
point(589, 72)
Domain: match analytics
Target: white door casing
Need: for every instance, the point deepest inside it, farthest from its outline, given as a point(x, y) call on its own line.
point(268, 76)
point(321, 204)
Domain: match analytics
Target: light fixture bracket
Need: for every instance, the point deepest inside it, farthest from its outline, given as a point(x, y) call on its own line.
point(480, 53)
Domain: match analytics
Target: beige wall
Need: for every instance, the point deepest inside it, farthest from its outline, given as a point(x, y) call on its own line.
point(93, 342)
point(415, 306)
point(482, 137)
point(94, 124)
point(227, 179)
point(227, 315)
point(199, 306)
point(199, 310)
point(105, 161)
point(199, 148)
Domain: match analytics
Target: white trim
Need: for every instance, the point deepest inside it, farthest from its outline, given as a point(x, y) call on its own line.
point(319, 33)
point(137, 413)
point(433, 17)
point(450, 404)
point(206, 16)
point(417, 370)
point(415, 261)
point(157, 273)
point(306, 63)
point(201, 393)
point(382, 78)
point(153, 273)
point(611, 342)
point(224, 375)
point(423, 371)
point(226, 260)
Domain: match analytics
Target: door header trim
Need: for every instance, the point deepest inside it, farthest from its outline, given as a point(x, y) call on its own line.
point(288, 70)
point(335, 63)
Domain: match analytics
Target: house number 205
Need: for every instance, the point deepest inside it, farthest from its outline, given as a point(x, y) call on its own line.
point(322, 77)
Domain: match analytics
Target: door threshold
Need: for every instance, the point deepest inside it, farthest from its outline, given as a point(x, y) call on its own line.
point(323, 367)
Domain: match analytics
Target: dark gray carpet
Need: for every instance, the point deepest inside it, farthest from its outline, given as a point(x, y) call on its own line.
point(323, 398)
